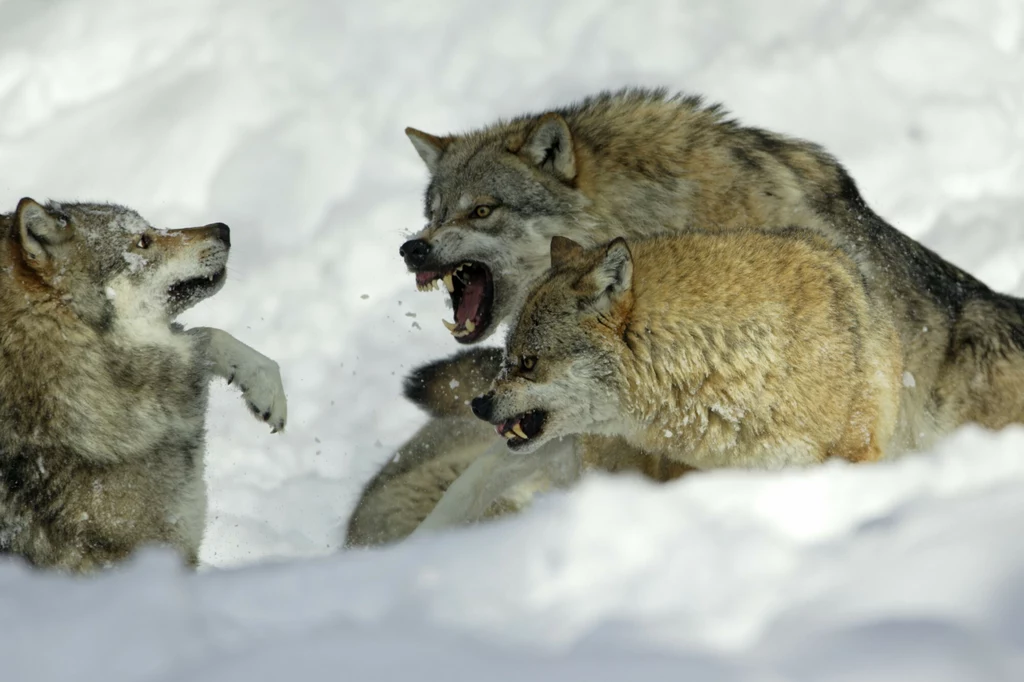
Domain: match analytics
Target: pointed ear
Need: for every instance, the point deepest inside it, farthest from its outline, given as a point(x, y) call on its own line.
point(613, 274)
point(564, 249)
point(38, 229)
point(429, 147)
point(549, 147)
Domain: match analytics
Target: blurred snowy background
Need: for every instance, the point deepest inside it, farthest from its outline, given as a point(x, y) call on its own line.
point(284, 119)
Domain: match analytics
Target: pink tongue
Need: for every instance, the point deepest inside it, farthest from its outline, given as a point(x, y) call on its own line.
point(469, 304)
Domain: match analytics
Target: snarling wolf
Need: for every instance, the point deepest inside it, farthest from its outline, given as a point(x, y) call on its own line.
point(641, 163)
point(744, 349)
point(102, 395)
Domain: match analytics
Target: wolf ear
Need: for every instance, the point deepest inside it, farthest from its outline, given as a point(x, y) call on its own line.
point(549, 147)
point(37, 229)
point(613, 274)
point(564, 249)
point(429, 147)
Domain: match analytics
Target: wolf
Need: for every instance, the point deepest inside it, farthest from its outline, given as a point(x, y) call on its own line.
point(640, 163)
point(745, 349)
point(742, 349)
point(102, 395)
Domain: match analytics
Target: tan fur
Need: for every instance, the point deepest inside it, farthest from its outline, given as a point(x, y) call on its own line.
point(616, 455)
point(745, 349)
point(639, 163)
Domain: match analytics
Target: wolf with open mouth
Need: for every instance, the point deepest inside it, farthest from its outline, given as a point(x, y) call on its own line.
point(638, 164)
point(103, 395)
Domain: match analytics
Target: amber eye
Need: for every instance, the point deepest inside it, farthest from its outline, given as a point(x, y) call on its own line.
point(527, 363)
point(481, 211)
point(144, 241)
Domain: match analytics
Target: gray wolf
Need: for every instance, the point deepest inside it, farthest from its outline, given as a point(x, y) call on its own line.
point(102, 395)
point(641, 163)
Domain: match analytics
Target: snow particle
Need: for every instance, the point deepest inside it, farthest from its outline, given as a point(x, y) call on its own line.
point(908, 380)
point(453, 384)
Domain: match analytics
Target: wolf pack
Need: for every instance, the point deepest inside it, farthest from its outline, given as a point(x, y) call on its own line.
point(681, 292)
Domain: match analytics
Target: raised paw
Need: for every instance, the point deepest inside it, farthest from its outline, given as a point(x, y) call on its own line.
point(263, 392)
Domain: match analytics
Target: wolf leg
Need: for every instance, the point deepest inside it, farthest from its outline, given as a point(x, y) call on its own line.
point(405, 490)
point(257, 376)
point(496, 474)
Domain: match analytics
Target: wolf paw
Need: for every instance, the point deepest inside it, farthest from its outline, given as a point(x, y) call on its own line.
point(263, 392)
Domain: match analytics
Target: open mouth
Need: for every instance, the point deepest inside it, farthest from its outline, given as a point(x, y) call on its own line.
point(472, 290)
point(189, 289)
point(521, 428)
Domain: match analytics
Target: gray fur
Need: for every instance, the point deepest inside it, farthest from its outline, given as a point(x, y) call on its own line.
point(102, 396)
point(644, 163)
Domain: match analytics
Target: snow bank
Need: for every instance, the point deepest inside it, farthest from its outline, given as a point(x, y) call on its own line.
point(284, 119)
point(909, 571)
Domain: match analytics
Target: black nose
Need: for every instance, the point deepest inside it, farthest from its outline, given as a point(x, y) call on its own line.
point(483, 406)
point(414, 252)
point(223, 232)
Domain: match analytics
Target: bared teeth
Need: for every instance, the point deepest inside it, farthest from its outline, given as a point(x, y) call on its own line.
point(518, 430)
point(509, 435)
point(449, 283)
point(470, 327)
point(449, 325)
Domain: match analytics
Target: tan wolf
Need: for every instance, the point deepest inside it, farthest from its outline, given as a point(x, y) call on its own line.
point(102, 396)
point(641, 163)
point(745, 349)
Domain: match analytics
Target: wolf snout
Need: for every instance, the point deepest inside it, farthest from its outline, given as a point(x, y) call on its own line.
point(483, 406)
point(221, 231)
point(414, 252)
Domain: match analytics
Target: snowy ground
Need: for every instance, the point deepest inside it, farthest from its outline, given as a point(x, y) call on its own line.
point(284, 119)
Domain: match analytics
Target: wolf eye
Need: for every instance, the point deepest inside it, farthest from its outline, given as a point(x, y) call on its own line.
point(527, 363)
point(144, 241)
point(481, 211)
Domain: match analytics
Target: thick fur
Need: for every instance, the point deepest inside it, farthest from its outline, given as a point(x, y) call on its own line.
point(640, 163)
point(102, 398)
point(746, 349)
point(435, 387)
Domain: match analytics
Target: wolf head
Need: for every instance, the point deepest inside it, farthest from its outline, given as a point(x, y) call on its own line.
point(560, 374)
point(104, 261)
point(495, 199)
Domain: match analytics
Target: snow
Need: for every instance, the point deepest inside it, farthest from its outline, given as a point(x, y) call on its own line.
point(284, 119)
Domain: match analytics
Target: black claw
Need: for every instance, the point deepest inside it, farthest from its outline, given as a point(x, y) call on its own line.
point(266, 416)
point(231, 379)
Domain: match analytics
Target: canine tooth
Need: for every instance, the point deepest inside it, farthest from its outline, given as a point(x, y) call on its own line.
point(470, 327)
point(509, 435)
point(518, 430)
point(459, 333)
point(450, 325)
point(448, 282)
